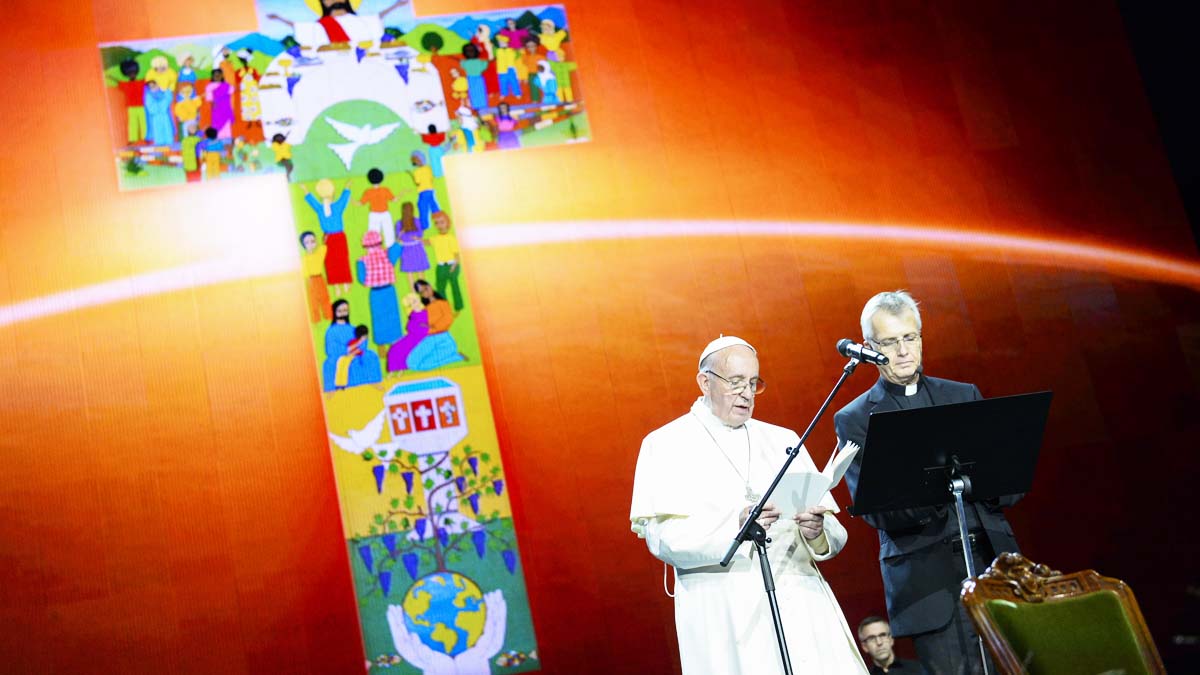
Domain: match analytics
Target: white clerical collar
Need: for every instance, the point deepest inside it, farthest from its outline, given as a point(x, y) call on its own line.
point(901, 389)
point(713, 423)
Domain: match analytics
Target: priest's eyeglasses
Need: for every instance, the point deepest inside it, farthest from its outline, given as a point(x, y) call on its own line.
point(739, 385)
point(891, 344)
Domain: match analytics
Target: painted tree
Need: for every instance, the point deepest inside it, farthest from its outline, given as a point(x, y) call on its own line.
point(439, 520)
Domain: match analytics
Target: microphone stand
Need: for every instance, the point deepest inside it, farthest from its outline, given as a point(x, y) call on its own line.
point(752, 531)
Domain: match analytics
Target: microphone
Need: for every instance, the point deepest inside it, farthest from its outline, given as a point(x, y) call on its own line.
point(848, 349)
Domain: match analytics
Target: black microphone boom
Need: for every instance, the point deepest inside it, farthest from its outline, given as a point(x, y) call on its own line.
point(848, 349)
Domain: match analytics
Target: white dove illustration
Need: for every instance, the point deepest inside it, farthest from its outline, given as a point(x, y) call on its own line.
point(364, 439)
point(358, 137)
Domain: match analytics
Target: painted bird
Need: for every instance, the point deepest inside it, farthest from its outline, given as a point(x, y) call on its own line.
point(360, 441)
point(358, 136)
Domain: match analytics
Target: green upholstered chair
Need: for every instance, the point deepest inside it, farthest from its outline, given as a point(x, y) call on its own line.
point(1039, 621)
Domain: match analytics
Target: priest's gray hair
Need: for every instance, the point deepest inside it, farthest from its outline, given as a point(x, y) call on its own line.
point(892, 302)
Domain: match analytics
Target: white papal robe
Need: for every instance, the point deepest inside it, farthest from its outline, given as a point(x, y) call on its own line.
point(688, 492)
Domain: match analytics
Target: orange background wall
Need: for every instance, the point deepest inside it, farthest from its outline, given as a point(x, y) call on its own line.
point(166, 493)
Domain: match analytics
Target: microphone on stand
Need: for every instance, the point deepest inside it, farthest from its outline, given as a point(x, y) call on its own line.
point(847, 348)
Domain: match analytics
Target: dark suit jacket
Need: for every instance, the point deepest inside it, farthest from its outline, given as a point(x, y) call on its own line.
point(898, 667)
point(920, 578)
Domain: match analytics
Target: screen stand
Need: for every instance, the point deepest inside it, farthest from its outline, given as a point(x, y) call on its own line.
point(960, 486)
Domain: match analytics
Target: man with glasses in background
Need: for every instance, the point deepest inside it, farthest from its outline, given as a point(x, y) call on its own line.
point(875, 637)
point(696, 481)
point(920, 550)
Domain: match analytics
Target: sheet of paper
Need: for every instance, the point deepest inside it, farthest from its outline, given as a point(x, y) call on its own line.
point(798, 491)
point(840, 462)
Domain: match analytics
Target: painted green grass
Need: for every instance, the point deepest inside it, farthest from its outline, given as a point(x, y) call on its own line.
point(571, 130)
point(157, 175)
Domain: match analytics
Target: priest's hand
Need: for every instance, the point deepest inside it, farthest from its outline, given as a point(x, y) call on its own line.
point(770, 514)
point(811, 521)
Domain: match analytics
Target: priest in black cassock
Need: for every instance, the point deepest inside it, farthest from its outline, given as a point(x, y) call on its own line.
point(920, 551)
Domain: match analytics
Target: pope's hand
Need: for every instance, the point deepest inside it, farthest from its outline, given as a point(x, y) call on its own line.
point(811, 521)
point(770, 514)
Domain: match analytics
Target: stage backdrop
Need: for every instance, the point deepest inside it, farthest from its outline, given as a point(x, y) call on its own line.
point(169, 498)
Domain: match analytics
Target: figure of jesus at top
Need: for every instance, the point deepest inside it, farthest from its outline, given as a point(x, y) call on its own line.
point(339, 23)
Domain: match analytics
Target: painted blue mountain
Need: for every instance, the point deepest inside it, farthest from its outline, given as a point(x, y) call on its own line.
point(465, 27)
point(257, 42)
point(556, 14)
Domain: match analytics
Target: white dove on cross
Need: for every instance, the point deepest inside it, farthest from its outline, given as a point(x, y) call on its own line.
point(358, 441)
point(358, 137)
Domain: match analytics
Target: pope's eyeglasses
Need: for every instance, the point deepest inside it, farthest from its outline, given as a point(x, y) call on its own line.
point(737, 386)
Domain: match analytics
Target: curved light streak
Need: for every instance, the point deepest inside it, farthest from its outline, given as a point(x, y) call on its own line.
point(1037, 250)
point(181, 278)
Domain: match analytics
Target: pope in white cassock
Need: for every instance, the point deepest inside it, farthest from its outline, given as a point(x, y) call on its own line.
point(697, 478)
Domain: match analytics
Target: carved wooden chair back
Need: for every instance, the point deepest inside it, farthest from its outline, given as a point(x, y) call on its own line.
point(1035, 620)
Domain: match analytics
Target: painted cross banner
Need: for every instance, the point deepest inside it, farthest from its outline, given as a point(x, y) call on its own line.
point(355, 104)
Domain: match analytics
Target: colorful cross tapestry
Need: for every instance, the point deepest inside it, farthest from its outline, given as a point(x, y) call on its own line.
point(356, 104)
